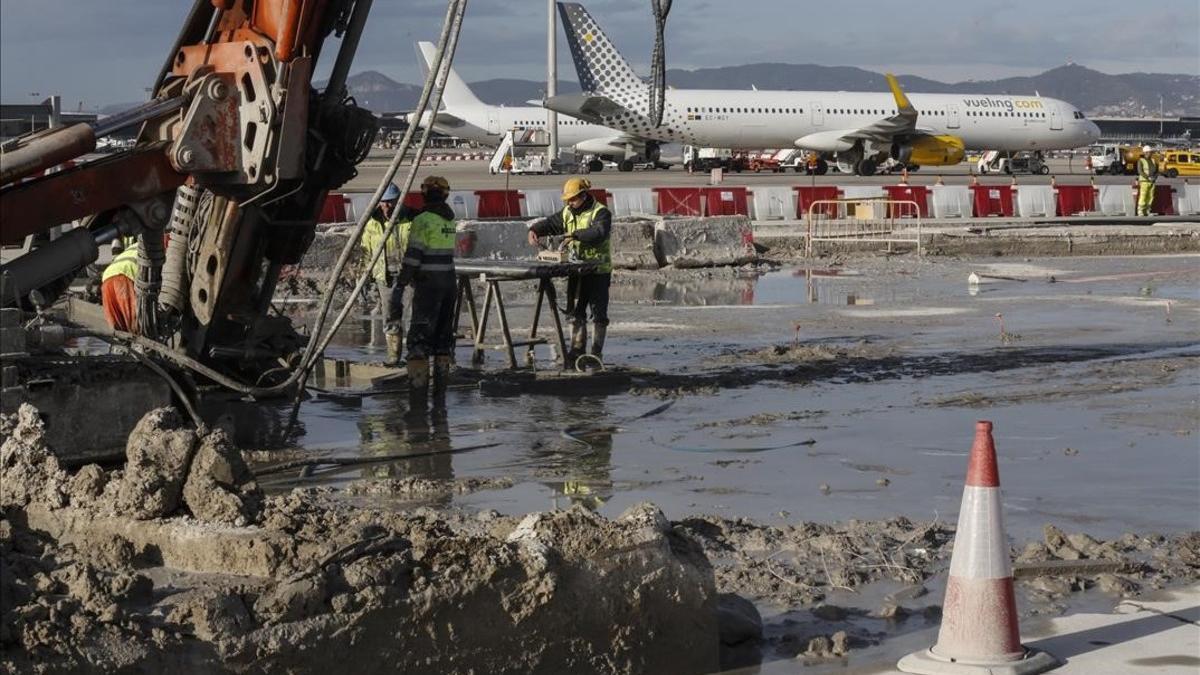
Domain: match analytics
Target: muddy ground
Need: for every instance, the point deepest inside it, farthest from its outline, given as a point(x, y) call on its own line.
point(801, 430)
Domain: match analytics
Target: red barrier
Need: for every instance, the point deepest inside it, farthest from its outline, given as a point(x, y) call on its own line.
point(908, 193)
point(599, 195)
point(499, 203)
point(992, 200)
point(1075, 199)
point(678, 201)
point(333, 210)
point(414, 200)
point(806, 195)
point(1164, 201)
point(725, 201)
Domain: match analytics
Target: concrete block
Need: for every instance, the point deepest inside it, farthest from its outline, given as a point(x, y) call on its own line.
point(633, 243)
point(12, 340)
point(11, 398)
point(704, 242)
point(8, 376)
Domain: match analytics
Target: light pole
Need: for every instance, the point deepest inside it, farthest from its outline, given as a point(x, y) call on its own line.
point(1160, 117)
point(551, 81)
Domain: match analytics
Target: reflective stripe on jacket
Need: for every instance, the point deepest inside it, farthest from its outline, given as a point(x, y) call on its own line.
point(431, 240)
point(600, 251)
point(126, 264)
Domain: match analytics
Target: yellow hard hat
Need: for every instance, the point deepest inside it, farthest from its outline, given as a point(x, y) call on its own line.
point(574, 186)
point(435, 183)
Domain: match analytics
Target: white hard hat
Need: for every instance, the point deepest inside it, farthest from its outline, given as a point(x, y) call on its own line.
point(1145, 148)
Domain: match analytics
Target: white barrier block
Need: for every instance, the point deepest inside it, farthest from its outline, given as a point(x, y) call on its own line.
point(1116, 200)
point(464, 203)
point(542, 202)
point(704, 242)
point(632, 202)
point(1035, 200)
point(951, 201)
point(495, 239)
point(1187, 200)
point(773, 203)
point(863, 192)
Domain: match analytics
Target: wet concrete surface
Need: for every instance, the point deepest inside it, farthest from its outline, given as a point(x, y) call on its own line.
point(846, 390)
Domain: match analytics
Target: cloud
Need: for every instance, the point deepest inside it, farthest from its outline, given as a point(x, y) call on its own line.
point(105, 52)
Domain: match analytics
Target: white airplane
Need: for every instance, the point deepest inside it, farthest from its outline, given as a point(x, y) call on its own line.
point(465, 116)
point(856, 130)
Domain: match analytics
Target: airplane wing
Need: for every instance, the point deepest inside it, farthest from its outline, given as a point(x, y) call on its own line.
point(884, 130)
point(590, 107)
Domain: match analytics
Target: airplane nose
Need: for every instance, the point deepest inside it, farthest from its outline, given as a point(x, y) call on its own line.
point(1093, 131)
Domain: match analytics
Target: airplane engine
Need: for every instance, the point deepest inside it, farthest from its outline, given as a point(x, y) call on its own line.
point(930, 151)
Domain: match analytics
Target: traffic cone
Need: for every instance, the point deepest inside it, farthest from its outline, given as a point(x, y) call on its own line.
point(979, 632)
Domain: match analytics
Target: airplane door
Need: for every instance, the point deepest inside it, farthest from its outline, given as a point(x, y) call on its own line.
point(818, 114)
point(1055, 119)
point(493, 124)
point(952, 116)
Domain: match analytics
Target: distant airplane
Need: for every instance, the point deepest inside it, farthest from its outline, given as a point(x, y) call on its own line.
point(465, 116)
point(855, 130)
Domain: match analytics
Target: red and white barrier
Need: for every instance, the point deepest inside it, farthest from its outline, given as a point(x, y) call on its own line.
point(979, 632)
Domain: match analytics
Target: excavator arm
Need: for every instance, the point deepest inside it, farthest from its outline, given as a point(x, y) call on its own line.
point(235, 154)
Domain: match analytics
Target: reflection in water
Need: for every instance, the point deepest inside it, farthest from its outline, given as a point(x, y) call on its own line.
point(690, 292)
point(398, 429)
point(581, 464)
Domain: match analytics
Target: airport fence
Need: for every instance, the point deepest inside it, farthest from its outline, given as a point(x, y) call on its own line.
point(868, 220)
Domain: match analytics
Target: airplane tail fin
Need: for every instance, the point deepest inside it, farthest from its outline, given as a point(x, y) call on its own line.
point(457, 93)
point(600, 67)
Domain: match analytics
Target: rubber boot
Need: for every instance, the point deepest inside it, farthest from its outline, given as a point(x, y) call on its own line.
point(441, 376)
point(578, 344)
point(393, 349)
point(418, 379)
point(598, 336)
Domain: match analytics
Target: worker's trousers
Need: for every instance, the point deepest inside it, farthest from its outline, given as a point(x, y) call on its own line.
point(1145, 197)
point(431, 329)
point(591, 292)
point(119, 297)
point(391, 306)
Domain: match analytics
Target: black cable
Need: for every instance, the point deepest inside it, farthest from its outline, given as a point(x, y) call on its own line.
point(658, 69)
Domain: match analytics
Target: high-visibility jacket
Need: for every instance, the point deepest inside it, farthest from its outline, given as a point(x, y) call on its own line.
point(126, 264)
point(1147, 169)
point(372, 238)
point(600, 251)
point(431, 239)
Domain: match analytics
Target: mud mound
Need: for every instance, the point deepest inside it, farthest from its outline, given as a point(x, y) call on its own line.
point(29, 473)
point(220, 487)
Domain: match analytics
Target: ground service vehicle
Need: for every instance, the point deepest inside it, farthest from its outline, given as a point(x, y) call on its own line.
point(1176, 163)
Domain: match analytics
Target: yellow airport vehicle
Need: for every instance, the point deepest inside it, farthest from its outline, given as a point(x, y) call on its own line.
point(1173, 163)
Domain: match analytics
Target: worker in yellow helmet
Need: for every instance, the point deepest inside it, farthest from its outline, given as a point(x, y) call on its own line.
point(428, 266)
point(586, 224)
point(390, 297)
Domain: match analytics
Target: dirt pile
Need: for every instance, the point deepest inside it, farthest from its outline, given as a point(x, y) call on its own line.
point(178, 562)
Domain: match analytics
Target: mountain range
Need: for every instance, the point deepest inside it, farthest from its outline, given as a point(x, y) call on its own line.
point(1096, 93)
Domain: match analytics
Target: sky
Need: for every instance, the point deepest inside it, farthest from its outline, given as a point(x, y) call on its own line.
point(100, 53)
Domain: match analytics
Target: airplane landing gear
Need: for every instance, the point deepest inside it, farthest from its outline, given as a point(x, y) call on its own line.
point(626, 165)
point(595, 166)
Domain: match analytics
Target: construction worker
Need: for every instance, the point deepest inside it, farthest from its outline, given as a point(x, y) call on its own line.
point(587, 226)
point(118, 290)
point(1147, 172)
point(390, 303)
point(429, 266)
